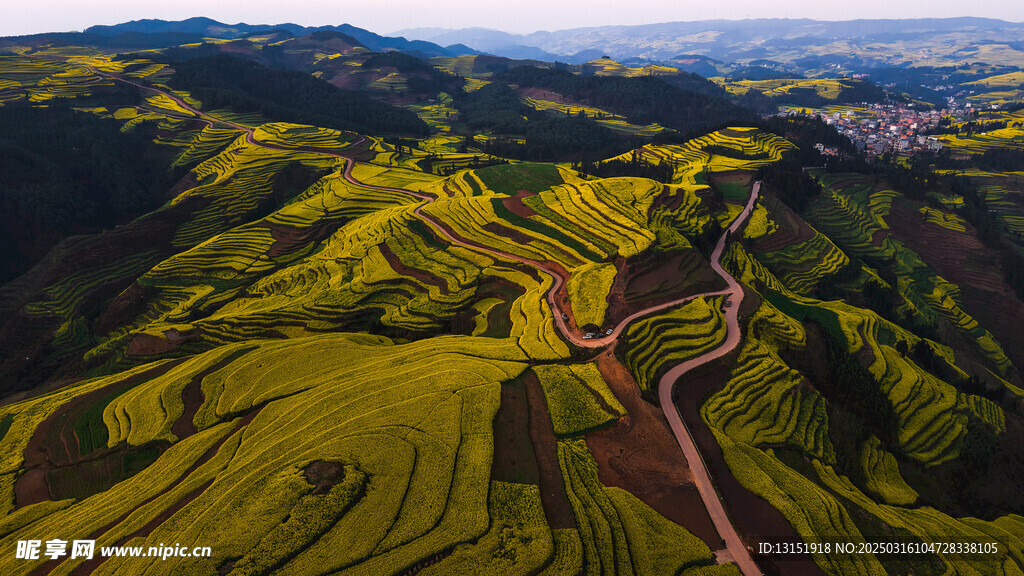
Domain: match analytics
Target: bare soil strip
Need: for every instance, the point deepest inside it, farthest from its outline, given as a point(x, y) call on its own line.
point(702, 477)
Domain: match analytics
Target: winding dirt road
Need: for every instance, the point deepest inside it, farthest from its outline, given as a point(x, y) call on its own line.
point(737, 551)
point(701, 475)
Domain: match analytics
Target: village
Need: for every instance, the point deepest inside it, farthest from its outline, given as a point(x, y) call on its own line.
point(878, 128)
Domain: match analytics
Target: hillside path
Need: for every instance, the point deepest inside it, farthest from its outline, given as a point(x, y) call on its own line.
point(733, 295)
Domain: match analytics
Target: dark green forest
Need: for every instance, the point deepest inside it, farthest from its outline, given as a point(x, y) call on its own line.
point(642, 100)
point(65, 172)
point(496, 107)
point(562, 139)
point(288, 95)
point(422, 77)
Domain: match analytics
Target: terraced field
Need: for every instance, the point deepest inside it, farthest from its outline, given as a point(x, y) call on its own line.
point(774, 429)
point(654, 344)
point(799, 266)
point(763, 404)
point(237, 441)
point(227, 380)
point(41, 80)
point(978, 143)
point(327, 357)
point(923, 292)
point(357, 247)
point(780, 88)
point(610, 120)
point(731, 149)
point(609, 67)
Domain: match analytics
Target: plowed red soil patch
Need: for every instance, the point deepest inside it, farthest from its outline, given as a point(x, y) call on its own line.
point(515, 204)
point(514, 459)
point(878, 237)
point(639, 454)
point(961, 258)
point(545, 448)
point(422, 275)
point(510, 233)
point(192, 396)
point(732, 177)
point(288, 239)
point(54, 445)
point(149, 345)
point(652, 279)
point(791, 228)
point(541, 94)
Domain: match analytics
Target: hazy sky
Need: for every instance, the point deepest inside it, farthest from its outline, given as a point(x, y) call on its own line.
point(383, 16)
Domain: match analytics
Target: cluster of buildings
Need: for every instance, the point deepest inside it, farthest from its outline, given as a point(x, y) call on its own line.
point(879, 128)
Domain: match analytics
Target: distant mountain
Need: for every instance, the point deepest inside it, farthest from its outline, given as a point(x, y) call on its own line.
point(118, 41)
point(199, 25)
point(460, 50)
point(485, 40)
point(782, 40)
point(205, 27)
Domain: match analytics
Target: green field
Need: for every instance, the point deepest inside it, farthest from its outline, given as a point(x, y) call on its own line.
point(336, 353)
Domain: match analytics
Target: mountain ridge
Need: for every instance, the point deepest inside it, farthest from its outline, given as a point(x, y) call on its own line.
point(721, 39)
point(199, 27)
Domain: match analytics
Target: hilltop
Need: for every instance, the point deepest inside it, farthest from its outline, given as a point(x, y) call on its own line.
point(326, 307)
point(801, 44)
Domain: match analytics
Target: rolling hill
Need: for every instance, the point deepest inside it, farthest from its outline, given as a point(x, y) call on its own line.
point(368, 312)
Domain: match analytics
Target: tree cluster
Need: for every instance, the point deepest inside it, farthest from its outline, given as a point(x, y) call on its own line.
point(494, 107)
point(289, 95)
point(642, 100)
point(548, 138)
point(967, 129)
point(421, 77)
point(66, 172)
point(789, 182)
point(636, 166)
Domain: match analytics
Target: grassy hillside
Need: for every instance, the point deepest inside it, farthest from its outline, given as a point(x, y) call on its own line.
point(331, 348)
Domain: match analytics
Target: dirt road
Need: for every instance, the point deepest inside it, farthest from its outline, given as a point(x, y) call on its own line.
point(737, 552)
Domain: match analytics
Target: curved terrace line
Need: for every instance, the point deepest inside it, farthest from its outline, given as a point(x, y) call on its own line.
point(733, 294)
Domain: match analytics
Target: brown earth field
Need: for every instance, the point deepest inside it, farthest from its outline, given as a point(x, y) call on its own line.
point(289, 239)
point(545, 448)
point(423, 276)
point(498, 323)
point(732, 177)
point(514, 460)
point(55, 447)
point(192, 396)
point(961, 258)
point(515, 205)
point(639, 454)
point(541, 94)
point(791, 228)
point(651, 279)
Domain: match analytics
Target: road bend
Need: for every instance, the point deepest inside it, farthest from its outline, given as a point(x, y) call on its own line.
point(733, 294)
point(701, 475)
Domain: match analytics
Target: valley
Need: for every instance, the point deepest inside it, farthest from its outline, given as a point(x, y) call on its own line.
point(330, 302)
